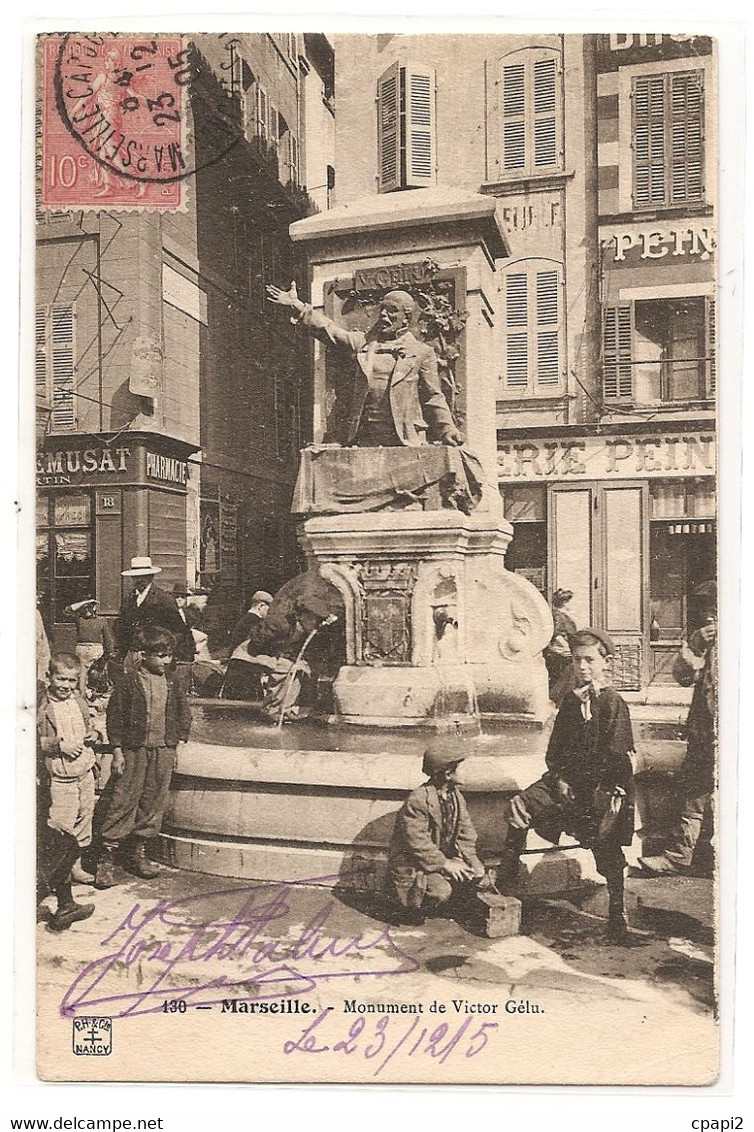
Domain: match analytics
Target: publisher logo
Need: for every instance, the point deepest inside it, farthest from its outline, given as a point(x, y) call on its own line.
point(92, 1037)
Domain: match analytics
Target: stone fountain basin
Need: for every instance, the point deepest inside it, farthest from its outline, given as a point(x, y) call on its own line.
point(319, 800)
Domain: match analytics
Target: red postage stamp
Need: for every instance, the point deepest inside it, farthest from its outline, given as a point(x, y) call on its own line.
point(114, 114)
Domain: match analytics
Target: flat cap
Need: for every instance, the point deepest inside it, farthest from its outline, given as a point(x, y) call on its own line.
point(597, 635)
point(442, 753)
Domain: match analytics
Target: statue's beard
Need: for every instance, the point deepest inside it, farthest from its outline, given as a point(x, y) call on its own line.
point(386, 330)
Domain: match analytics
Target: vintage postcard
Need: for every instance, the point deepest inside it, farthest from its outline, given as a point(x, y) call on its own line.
point(376, 540)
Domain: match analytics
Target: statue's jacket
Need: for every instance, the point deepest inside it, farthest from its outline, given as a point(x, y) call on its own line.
point(417, 403)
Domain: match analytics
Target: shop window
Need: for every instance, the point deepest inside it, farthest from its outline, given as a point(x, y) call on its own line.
point(659, 350)
point(534, 328)
point(55, 357)
point(530, 113)
point(682, 556)
point(406, 156)
point(65, 551)
point(668, 139)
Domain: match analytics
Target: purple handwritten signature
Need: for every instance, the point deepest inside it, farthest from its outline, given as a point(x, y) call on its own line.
point(154, 944)
point(389, 1036)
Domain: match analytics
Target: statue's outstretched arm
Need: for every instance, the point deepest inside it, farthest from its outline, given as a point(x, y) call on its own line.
point(287, 298)
point(315, 322)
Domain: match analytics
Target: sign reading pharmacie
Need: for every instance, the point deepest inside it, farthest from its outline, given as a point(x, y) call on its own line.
point(78, 463)
point(657, 456)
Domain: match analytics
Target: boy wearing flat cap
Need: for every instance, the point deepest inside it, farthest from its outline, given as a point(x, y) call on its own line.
point(587, 790)
point(432, 859)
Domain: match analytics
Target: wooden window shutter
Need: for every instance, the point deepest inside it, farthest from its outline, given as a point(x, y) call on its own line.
point(711, 347)
point(274, 137)
point(62, 357)
point(514, 115)
point(545, 103)
point(617, 352)
point(293, 157)
point(650, 127)
point(686, 137)
point(262, 114)
point(421, 157)
point(40, 357)
point(388, 130)
point(548, 328)
point(517, 334)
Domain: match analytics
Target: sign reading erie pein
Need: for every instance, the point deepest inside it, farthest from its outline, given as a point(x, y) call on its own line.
point(607, 458)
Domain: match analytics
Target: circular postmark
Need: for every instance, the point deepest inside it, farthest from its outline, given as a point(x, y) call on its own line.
point(125, 100)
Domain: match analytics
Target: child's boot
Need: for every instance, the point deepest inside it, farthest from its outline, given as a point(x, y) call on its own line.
point(140, 863)
point(79, 875)
point(69, 912)
point(509, 868)
point(617, 920)
point(105, 877)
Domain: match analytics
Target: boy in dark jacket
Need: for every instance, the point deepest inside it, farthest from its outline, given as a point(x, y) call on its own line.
point(432, 857)
point(587, 790)
point(147, 717)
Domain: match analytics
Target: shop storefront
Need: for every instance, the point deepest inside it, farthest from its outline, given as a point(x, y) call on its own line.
point(100, 503)
point(627, 521)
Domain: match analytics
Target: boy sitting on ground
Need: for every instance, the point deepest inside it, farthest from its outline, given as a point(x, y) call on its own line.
point(587, 790)
point(432, 860)
point(147, 718)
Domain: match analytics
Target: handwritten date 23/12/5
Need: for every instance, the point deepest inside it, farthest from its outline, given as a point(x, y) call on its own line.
point(380, 1042)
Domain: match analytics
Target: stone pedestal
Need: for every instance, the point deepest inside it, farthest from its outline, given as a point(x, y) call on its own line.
point(436, 627)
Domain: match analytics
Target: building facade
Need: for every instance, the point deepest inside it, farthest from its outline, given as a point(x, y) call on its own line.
point(171, 401)
point(600, 151)
point(619, 506)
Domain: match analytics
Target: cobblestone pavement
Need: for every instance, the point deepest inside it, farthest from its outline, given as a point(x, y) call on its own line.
point(557, 979)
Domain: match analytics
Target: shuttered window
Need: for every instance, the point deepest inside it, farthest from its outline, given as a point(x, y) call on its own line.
point(262, 114)
point(420, 126)
point(548, 352)
point(545, 109)
point(617, 353)
point(406, 154)
point(293, 158)
point(517, 346)
point(55, 364)
point(388, 130)
point(514, 120)
point(531, 108)
point(711, 350)
point(533, 329)
point(668, 139)
point(274, 128)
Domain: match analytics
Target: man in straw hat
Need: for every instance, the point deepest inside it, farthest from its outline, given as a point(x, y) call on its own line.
point(587, 789)
point(147, 604)
point(432, 860)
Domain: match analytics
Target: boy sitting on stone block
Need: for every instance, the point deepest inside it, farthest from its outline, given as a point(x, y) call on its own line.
point(432, 859)
point(587, 790)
